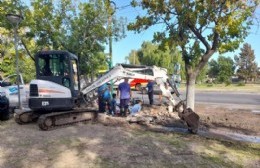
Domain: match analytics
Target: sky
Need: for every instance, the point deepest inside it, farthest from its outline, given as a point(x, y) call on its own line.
point(133, 41)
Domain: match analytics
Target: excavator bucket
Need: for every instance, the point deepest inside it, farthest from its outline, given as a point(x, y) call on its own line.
point(191, 118)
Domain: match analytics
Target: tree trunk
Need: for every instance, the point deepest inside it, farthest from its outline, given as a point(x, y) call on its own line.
point(190, 90)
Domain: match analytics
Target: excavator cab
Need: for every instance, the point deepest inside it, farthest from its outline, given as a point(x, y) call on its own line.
point(57, 81)
point(60, 67)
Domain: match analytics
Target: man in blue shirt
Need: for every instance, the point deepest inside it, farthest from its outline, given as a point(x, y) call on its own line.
point(125, 94)
point(150, 86)
point(104, 98)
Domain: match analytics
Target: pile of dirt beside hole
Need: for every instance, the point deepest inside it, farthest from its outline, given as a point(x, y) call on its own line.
point(211, 117)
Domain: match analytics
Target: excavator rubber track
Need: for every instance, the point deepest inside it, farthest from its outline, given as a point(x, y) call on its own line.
point(57, 119)
point(25, 117)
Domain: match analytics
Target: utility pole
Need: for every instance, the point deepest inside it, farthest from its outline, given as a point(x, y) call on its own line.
point(111, 10)
point(15, 20)
point(111, 6)
point(110, 63)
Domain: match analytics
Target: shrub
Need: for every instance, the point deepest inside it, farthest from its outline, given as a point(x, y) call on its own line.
point(210, 85)
point(241, 83)
point(227, 83)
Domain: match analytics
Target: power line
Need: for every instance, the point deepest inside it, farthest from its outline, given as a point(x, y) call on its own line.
point(123, 7)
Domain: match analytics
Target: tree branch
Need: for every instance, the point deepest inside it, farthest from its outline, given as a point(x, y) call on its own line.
point(215, 41)
point(204, 60)
point(200, 37)
point(28, 52)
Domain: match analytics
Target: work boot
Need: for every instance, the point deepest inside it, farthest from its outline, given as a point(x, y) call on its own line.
point(121, 112)
point(125, 113)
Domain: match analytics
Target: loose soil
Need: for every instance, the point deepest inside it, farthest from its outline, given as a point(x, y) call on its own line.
point(232, 118)
point(113, 142)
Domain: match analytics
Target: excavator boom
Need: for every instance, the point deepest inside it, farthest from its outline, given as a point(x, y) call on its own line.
point(116, 73)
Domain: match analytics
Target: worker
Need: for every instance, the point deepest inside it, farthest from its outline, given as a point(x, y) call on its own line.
point(104, 98)
point(150, 87)
point(113, 104)
point(124, 92)
point(136, 108)
point(46, 71)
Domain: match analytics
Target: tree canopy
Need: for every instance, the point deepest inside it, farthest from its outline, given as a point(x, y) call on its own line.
point(226, 69)
point(199, 27)
point(151, 54)
point(222, 69)
point(81, 28)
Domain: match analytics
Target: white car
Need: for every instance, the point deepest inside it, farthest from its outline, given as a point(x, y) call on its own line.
point(11, 92)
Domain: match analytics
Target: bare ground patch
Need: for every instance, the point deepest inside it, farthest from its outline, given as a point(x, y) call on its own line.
point(235, 118)
point(130, 145)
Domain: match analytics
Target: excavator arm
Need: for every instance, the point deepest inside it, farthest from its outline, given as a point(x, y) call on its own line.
point(119, 72)
point(116, 73)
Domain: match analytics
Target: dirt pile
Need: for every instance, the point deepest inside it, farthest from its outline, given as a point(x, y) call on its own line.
point(155, 115)
point(236, 120)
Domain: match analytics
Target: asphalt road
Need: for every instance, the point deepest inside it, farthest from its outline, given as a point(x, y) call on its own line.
point(216, 97)
point(228, 98)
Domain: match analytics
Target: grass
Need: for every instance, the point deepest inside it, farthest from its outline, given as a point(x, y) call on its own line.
point(215, 160)
point(174, 140)
point(219, 153)
point(222, 87)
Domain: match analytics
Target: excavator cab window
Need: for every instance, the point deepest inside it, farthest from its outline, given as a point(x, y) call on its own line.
point(145, 72)
point(149, 72)
point(44, 65)
point(66, 82)
point(54, 65)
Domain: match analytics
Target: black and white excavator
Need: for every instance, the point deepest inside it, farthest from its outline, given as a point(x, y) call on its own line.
point(55, 95)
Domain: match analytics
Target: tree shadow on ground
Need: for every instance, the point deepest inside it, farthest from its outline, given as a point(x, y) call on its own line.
point(95, 145)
